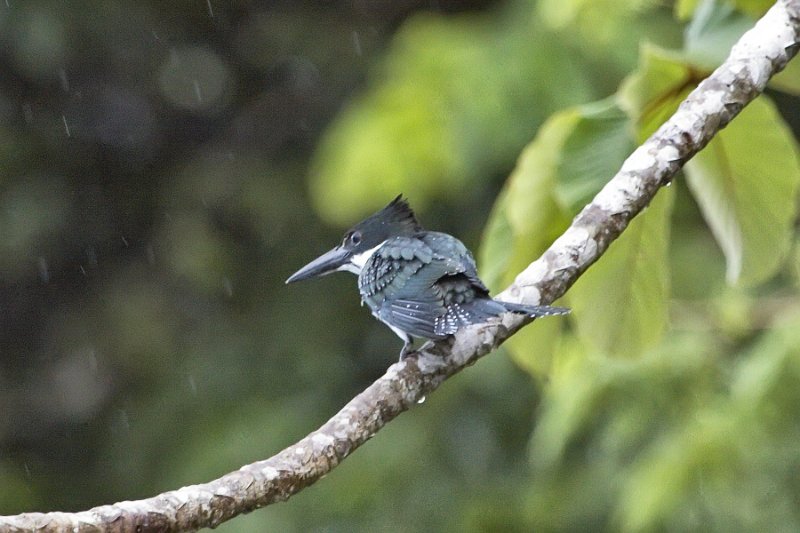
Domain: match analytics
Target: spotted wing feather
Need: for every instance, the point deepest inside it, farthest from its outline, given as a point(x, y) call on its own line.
point(420, 284)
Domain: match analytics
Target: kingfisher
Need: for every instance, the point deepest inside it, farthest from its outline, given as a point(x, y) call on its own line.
point(422, 284)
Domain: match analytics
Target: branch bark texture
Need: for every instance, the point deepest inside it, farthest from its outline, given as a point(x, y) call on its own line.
point(759, 54)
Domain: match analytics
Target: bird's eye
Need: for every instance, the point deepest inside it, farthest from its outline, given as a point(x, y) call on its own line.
point(355, 237)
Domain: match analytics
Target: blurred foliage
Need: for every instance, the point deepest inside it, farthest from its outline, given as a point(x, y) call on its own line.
point(153, 162)
point(455, 100)
point(649, 423)
point(445, 112)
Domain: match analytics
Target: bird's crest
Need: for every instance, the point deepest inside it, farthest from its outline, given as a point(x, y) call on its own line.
point(397, 218)
point(399, 212)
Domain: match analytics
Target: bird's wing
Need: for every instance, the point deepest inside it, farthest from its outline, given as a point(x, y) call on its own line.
point(400, 283)
point(415, 317)
point(388, 270)
point(458, 257)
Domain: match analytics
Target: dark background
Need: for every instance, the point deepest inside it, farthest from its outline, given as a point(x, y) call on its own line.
point(153, 163)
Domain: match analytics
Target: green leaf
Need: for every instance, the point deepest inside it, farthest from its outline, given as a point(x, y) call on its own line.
point(533, 348)
point(716, 21)
point(746, 182)
point(620, 303)
point(526, 217)
point(717, 25)
point(497, 245)
point(524, 221)
point(714, 29)
point(652, 94)
point(576, 152)
point(592, 153)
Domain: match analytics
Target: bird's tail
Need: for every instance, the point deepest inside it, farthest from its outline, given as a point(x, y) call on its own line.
point(534, 310)
point(481, 309)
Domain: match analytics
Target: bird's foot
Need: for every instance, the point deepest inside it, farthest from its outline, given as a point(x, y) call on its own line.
point(407, 351)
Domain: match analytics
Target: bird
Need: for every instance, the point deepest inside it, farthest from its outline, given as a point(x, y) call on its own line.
point(422, 284)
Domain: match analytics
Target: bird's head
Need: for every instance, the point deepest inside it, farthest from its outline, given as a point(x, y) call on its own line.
point(361, 241)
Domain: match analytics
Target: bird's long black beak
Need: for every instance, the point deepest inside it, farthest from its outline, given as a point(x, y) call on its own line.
point(324, 264)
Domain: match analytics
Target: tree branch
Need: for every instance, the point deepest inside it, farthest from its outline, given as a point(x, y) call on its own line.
point(759, 54)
